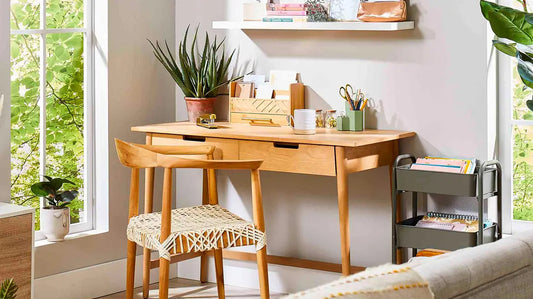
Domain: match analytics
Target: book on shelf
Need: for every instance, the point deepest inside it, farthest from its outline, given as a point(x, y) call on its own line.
point(286, 7)
point(285, 2)
point(445, 165)
point(436, 167)
point(285, 19)
point(286, 13)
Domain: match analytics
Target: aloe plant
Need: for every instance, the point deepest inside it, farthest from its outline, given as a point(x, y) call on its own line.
point(50, 189)
point(198, 73)
point(517, 26)
point(8, 289)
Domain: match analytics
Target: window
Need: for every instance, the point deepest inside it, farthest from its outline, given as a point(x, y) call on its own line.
point(51, 100)
point(520, 127)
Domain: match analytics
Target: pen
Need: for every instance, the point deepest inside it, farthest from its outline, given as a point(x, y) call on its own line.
point(364, 104)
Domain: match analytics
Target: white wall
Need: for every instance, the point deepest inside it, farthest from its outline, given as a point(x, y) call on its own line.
point(431, 80)
point(5, 167)
point(139, 92)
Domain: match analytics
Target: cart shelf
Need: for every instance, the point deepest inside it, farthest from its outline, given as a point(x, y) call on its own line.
point(483, 184)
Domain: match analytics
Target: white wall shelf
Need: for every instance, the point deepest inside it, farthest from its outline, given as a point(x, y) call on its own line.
point(328, 26)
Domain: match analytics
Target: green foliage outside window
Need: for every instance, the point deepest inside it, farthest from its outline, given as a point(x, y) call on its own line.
point(522, 153)
point(64, 100)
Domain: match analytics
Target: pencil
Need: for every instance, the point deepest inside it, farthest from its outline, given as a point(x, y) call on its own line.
point(364, 104)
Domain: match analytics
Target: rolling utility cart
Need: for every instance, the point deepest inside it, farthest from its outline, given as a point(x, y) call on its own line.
point(484, 183)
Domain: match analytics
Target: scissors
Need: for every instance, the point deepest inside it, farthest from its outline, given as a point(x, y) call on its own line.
point(346, 92)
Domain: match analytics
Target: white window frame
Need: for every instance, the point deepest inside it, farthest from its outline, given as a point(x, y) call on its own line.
point(505, 137)
point(89, 113)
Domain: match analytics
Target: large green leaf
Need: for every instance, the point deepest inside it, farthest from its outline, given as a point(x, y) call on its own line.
point(509, 49)
point(525, 68)
point(56, 183)
point(529, 104)
point(42, 189)
point(67, 196)
point(508, 23)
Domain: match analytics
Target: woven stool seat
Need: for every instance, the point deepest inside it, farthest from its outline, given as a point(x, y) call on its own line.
point(194, 229)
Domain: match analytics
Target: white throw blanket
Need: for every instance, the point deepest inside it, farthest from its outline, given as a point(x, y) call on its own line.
point(386, 281)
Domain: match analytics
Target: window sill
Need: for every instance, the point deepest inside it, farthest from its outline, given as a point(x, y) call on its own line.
point(70, 237)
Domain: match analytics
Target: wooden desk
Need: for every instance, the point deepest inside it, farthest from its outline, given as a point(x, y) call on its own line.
point(328, 153)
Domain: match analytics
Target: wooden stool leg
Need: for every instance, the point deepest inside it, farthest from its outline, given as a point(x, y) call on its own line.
point(148, 208)
point(163, 278)
point(259, 222)
point(205, 201)
point(219, 268)
point(203, 268)
point(146, 273)
point(165, 232)
point(132, 246)
point(130, 274)
point(263, 273)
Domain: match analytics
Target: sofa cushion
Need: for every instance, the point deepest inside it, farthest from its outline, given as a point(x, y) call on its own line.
point(457, 272)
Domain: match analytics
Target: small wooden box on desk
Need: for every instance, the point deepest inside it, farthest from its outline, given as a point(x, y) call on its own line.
point(244, 110)
point(16, 247)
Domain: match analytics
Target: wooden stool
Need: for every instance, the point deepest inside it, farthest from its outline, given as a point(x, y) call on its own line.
point(186, 233)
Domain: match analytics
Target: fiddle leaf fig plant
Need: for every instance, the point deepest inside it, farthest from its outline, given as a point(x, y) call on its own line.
point(50, 189)
point(509, 24)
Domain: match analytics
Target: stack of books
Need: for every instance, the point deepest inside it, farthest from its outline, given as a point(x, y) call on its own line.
point(286, 11)
point(445, 165)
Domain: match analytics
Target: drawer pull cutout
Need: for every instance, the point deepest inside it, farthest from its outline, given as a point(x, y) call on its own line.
point(193, 138)
point(286, 145)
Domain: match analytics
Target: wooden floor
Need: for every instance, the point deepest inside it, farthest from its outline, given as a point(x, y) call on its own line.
point(185, 288)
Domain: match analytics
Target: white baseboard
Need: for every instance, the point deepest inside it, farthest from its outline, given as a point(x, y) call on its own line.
point(92, 282)
point(282, 279)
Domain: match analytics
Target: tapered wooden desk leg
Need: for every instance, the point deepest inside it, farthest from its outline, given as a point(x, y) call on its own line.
point(148, 208)
point(344, 211)
point(398, 201)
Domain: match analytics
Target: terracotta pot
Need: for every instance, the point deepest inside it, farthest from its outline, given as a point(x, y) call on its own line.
point(199, 106)
point(55, 223)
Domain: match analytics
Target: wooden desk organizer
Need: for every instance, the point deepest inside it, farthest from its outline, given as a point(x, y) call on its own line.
point(245, 110)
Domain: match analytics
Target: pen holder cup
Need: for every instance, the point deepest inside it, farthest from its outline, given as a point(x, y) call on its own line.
point(353, 121)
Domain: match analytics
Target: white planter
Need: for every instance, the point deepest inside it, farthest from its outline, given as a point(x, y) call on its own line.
point(55, 223)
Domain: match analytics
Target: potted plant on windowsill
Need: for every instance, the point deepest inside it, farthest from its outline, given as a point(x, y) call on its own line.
point(55, 216)
point(198, 72)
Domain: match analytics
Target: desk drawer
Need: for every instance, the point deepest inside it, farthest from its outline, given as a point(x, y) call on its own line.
point(227, 149)
point(290, 157)
point(237, 117)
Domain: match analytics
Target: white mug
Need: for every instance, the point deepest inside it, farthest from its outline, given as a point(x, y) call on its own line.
point(304, 121)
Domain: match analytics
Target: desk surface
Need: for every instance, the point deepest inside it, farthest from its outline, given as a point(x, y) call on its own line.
point(277, 134)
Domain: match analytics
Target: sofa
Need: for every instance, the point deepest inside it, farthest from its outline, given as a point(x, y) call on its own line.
point(502, 269)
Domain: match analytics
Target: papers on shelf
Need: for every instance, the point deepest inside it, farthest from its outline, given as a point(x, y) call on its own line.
point(445, 165)
point(257, 80)
point(456, 222)
point(264, 91)
point(282, 80)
